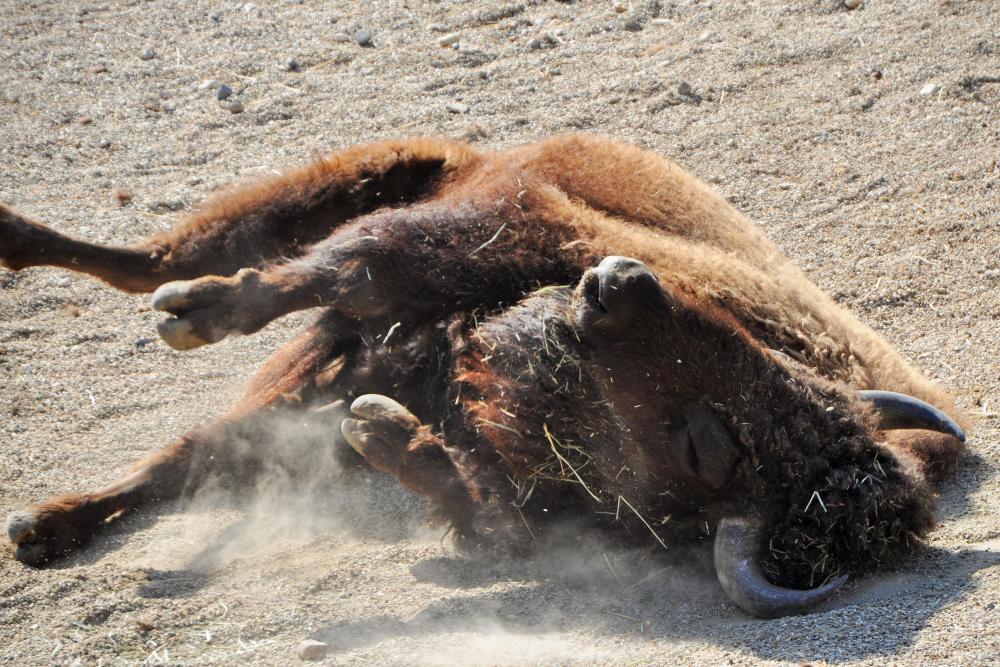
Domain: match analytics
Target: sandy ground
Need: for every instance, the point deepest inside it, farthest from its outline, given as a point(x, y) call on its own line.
point(808, 116)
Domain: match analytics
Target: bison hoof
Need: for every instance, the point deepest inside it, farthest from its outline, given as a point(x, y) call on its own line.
point(20, 240)
point(201, 309)
point(185, 334)
point(382, 409)
point(383, 432)
point(35, 542)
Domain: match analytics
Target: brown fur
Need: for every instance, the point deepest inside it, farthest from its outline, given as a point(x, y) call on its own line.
point(422, 231)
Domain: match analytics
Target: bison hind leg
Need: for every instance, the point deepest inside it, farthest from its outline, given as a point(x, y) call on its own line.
point(44, 532)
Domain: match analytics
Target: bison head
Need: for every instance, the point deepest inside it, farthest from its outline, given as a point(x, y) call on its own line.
point(787, 464)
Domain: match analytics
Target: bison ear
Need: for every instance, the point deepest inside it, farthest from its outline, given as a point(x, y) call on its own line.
point(704, 448)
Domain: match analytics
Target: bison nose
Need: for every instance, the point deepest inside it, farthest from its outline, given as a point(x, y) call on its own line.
point(611, 294)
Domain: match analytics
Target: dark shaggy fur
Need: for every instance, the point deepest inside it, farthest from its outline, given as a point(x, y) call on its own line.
point(529, 384)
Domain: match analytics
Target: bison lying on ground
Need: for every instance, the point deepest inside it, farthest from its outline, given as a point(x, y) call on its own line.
point(704, 383)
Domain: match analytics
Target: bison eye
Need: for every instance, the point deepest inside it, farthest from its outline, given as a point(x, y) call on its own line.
point(703, 448)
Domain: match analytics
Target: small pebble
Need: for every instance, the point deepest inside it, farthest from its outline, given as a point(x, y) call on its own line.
point(661, 21)
point(449, 39)
point(535, 43)
point(363, 37)
point(620, 7)
point(85, 120)
point(148, 54)
point(143, 342)
point(104, 143)
point(97, 69)
point(474, 132)
point(853, 4)
point(310, 649)
point(215, 16)
point(292, 65)
point(341, 37)
point(457, 107)
point(122, 196)
point(684, 88)
point(232, 106)
point(224, 92)
point(437, 27)
point(930, 89)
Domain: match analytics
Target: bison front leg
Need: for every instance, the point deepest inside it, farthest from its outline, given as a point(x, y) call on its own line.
point(393, 441)
point(475, 501)
point(406, 265)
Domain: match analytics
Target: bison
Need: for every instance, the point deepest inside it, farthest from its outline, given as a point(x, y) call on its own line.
point(574, 325)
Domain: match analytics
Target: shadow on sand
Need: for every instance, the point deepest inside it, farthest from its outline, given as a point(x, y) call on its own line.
point(579, 582)
point(651, 598)
point(585, 583)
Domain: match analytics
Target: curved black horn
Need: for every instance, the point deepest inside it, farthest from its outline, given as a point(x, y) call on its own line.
point(737, 546)
point(902, 411)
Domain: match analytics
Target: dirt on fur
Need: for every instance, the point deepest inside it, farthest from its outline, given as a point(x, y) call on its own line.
point(866, 142)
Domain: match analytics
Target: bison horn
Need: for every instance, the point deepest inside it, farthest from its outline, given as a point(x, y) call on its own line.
point(902, 411)
point(737, 545)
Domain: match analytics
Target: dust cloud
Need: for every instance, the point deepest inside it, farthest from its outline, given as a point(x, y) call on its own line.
point(303, 490)
point(298, 480)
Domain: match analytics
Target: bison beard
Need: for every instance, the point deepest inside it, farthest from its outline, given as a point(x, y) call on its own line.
point(716, 388)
